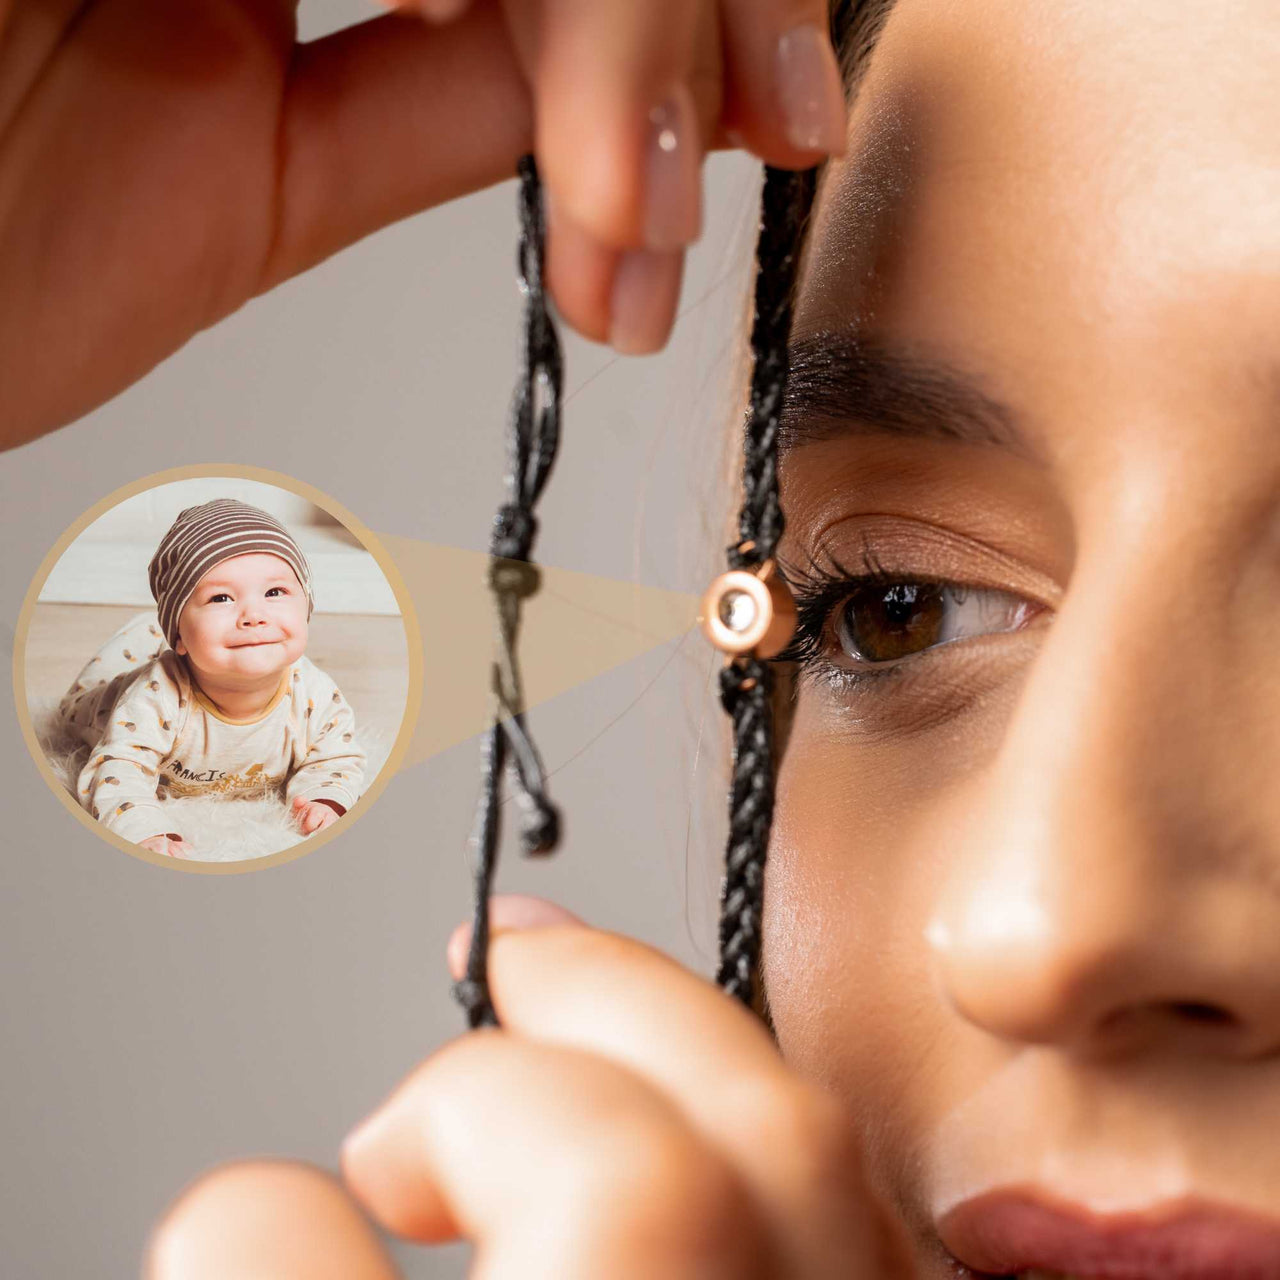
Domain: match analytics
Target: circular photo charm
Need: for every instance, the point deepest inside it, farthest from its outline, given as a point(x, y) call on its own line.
point(218, 668)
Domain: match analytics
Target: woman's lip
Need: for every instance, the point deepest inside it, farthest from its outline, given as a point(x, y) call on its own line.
point(1003, 1232)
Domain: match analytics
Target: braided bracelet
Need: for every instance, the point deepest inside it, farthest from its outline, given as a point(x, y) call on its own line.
point(748, 612)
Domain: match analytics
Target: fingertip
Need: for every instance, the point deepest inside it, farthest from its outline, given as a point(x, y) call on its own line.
point(507, 912)
point(268, 1217)
point(525, 911)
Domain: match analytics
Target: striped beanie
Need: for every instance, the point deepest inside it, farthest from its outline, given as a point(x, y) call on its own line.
point(202, 537)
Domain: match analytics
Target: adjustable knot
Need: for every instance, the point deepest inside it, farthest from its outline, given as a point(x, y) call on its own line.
point(473, 996)
point(516, 578)
point(513, 530)
point(540, 830)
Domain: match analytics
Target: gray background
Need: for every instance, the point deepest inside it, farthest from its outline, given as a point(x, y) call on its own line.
point(157, 1022)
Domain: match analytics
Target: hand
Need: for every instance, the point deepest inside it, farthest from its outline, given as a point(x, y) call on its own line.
point(164, 163)
point(170, 846)
point(627, 97)
point(313, 815)
point(628, 1120)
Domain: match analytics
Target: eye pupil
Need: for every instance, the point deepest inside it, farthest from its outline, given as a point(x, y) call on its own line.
point(899, 600)
point(881, 623)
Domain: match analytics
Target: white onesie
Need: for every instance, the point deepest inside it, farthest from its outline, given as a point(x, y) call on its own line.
point(156, 737)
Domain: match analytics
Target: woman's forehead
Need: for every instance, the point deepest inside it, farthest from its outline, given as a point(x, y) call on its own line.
point(1080, 201)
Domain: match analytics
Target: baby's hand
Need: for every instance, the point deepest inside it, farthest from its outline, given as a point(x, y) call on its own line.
point(171, 846)
point(313, 815)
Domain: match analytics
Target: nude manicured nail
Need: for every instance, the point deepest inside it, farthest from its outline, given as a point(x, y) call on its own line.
point(646, 289)
point(809, 92)
point(673, 186)
point(507, 911)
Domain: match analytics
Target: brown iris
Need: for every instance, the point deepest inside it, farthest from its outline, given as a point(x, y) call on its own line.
point(879, 623)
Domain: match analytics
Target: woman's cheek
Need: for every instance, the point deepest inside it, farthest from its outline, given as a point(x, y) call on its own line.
point(825, 895)
point(855, 860)
point(845, 963)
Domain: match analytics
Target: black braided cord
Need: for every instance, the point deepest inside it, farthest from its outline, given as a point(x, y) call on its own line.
point(534, 429)
point(747, 682)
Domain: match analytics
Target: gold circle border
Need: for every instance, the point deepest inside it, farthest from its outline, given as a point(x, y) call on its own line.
point(408, 616)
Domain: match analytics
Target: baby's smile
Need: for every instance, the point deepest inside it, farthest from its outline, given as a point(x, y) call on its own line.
point(241, 628)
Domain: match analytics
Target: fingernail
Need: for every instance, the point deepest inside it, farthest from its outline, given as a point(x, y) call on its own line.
point(809, 91)
point(673, 189)
point(507, 911)
point(642, 306)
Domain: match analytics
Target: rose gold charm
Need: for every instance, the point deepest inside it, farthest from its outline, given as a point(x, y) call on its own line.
point(745, 612)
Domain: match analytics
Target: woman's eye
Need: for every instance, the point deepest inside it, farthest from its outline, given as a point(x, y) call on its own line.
point(879, 623)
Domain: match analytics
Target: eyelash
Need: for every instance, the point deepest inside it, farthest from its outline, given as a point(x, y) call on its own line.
point(820, 590)
point(221, 595)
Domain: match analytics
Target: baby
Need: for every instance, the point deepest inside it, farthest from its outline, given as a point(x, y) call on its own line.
point(231, 706)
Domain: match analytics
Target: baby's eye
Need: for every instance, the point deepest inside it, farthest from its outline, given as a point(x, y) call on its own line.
point(272, 591)
point(218, 598)
point(879, 623)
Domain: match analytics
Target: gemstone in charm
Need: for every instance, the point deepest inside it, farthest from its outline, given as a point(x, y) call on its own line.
point(737, 610)
point(746, 612)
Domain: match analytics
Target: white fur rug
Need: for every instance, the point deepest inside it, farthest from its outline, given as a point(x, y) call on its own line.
point(221, 830)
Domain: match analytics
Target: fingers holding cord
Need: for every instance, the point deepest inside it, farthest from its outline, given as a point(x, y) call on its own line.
point(625, 96)
point(559, 982)
point(761, 72)
point(625, 100)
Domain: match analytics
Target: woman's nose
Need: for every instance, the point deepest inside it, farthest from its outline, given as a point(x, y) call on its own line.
point(1116, 885)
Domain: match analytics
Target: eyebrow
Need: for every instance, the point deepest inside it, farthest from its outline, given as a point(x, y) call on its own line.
point(840, 385)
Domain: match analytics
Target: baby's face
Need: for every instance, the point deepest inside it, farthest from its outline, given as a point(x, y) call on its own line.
point(247, 618)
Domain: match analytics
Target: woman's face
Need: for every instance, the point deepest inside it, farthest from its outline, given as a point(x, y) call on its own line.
point(1023, 905)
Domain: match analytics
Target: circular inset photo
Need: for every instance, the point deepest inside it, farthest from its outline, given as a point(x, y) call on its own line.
point(220, 668)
